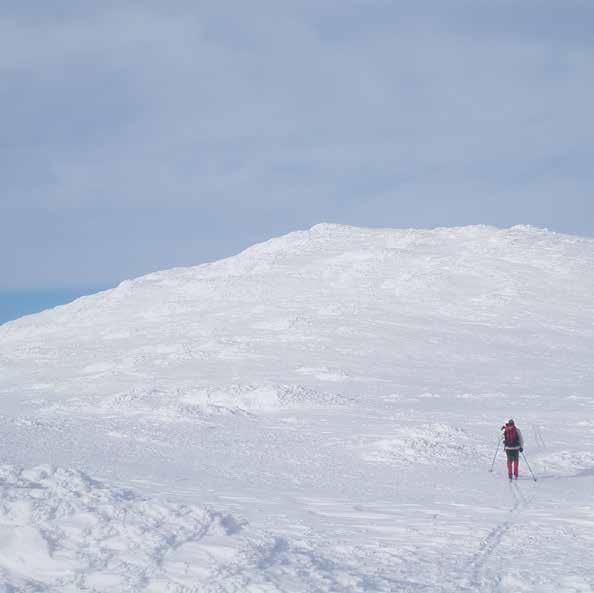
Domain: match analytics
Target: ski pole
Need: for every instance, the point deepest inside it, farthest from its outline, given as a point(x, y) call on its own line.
point(495, 456)
point(533, 476)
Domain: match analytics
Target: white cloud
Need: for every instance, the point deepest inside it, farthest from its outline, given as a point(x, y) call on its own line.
point(315, 108)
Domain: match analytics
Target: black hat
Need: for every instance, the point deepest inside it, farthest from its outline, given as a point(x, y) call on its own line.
point(510, 422)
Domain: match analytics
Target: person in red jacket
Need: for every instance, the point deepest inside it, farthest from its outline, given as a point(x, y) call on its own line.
point(514, 445)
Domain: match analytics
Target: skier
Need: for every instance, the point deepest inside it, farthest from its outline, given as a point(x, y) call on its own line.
point(514, 445)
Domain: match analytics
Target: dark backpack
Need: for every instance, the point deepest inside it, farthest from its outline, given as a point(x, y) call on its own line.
point(510, 436)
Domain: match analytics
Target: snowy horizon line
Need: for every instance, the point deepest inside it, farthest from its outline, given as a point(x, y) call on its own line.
point(21, 302)
point(85, 287)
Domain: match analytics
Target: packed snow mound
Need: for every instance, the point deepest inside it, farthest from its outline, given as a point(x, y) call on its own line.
point(62, 530)
point(424, 444)
point(564, 463)
point(187, 403)
point(461, 310)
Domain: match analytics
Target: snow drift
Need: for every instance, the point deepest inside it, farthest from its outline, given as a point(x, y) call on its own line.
point(60, 528)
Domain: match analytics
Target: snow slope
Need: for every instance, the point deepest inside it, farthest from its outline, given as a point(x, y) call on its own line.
point(322, 408)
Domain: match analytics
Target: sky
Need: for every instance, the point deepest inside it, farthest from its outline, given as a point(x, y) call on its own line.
point(138, 136)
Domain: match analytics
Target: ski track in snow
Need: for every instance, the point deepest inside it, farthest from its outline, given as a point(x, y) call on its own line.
point(480, 579)
point(315, 415)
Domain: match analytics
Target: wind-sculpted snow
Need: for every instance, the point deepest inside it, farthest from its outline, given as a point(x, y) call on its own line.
point(187, 403)
point(456, 309)
point(336, 395)
point(62, 530)
point(563, 463)
point(424, 444)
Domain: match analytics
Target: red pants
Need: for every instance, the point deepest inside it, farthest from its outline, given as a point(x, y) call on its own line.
point(512, 462)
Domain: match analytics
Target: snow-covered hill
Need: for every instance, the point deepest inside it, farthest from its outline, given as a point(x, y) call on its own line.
point(338, 392)
point(331, 309)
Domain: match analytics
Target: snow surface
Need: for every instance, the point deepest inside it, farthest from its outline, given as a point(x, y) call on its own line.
point(316, 414)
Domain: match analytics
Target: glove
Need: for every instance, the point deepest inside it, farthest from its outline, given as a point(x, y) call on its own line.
point(521, 449)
